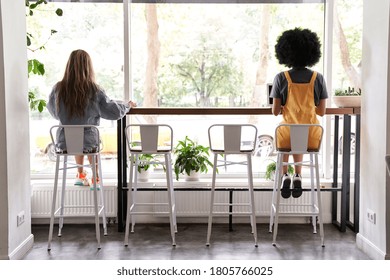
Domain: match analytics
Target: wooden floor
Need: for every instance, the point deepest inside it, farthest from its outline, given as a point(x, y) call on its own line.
point(152, 241)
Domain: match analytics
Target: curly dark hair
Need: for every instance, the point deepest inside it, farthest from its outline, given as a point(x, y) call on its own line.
point(298, 48)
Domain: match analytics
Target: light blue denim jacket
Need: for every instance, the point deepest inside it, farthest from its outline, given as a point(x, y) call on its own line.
point(101, 107)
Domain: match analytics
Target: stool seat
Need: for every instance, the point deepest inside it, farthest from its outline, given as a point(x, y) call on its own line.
point(158, 151)
point(242, 151)
point(227, 139)
point(74, 143)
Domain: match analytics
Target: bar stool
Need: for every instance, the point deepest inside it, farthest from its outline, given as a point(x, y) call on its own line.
point(298, 144)
point(74, 143)
point(233, 139)
point(157, 140)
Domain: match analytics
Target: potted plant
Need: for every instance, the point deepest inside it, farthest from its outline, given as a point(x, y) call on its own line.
point(350, 97)
point(143, 168)
point(191, 159)
point(271, 169)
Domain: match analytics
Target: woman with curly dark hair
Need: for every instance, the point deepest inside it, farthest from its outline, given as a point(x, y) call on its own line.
point(299, 94)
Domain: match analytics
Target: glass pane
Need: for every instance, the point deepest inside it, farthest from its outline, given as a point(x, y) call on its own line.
point(211, 55)
point(347, 48)
point(94, 27)
point(347, 57)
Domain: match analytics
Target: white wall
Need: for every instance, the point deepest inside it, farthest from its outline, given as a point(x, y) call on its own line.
point(3, 149)
point(375, 141)
point(14, 132)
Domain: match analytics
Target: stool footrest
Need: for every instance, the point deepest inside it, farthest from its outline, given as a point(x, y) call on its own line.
point(149, 204)
point(149, 213)
point(300, 214)
point(232, 213)
point(231, 204)
point(297, 205)
point(56, 215)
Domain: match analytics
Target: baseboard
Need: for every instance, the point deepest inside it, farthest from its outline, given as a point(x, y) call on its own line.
point(370, 249)
point(22, 249)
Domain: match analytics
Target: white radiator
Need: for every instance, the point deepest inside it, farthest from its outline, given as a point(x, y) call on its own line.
point(188, 203)
point(197, 203)
point(42, 197)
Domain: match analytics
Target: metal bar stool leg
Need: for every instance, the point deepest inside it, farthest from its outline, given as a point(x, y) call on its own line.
point(312, 194)
point(129, 201)
point(170, 172)
point(252, 199)
point(95, 201)
point(272, 211)
point(102, 200)
point(210, 222)
point(170, 205)
point(63, 186)
point(53, 203)
point(276, 222)
point(319, 202)
point(275, 192)
point(134, 192)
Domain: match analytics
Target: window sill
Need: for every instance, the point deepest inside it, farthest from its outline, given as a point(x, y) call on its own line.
point(202, 183)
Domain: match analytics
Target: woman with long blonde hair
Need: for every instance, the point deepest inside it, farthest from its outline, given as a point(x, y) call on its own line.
point(78, 100)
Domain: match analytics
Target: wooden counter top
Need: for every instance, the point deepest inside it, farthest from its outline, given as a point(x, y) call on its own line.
point(226, 111)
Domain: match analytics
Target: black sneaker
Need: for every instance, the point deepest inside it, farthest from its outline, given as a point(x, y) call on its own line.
point(297, 186)
point(286, 186)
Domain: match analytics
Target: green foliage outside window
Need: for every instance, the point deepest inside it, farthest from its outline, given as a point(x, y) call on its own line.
point(36, 67)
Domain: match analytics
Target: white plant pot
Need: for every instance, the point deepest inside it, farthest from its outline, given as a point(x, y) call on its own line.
point(194, 176)
point(143, 176)
point(347, 101)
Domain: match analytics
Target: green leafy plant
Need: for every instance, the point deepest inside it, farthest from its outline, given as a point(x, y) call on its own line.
point(348, 92)
point(271, 169)
point(144, 159)
point(191, 156)
point(144, 162)
point(36, 67)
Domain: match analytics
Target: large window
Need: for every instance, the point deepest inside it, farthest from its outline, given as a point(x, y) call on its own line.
point(182, 54)
point(94, 27)
point(211, 54)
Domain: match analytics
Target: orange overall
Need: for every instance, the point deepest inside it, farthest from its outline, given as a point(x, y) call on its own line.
point(299, 109)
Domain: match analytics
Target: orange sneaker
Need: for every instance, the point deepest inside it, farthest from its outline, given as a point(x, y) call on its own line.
point(81, 179)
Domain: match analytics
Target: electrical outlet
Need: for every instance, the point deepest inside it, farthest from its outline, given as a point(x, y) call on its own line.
point(371, 216)
point(20, 218)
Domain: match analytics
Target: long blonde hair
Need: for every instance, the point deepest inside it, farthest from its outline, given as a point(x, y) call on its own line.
point(78, 87)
